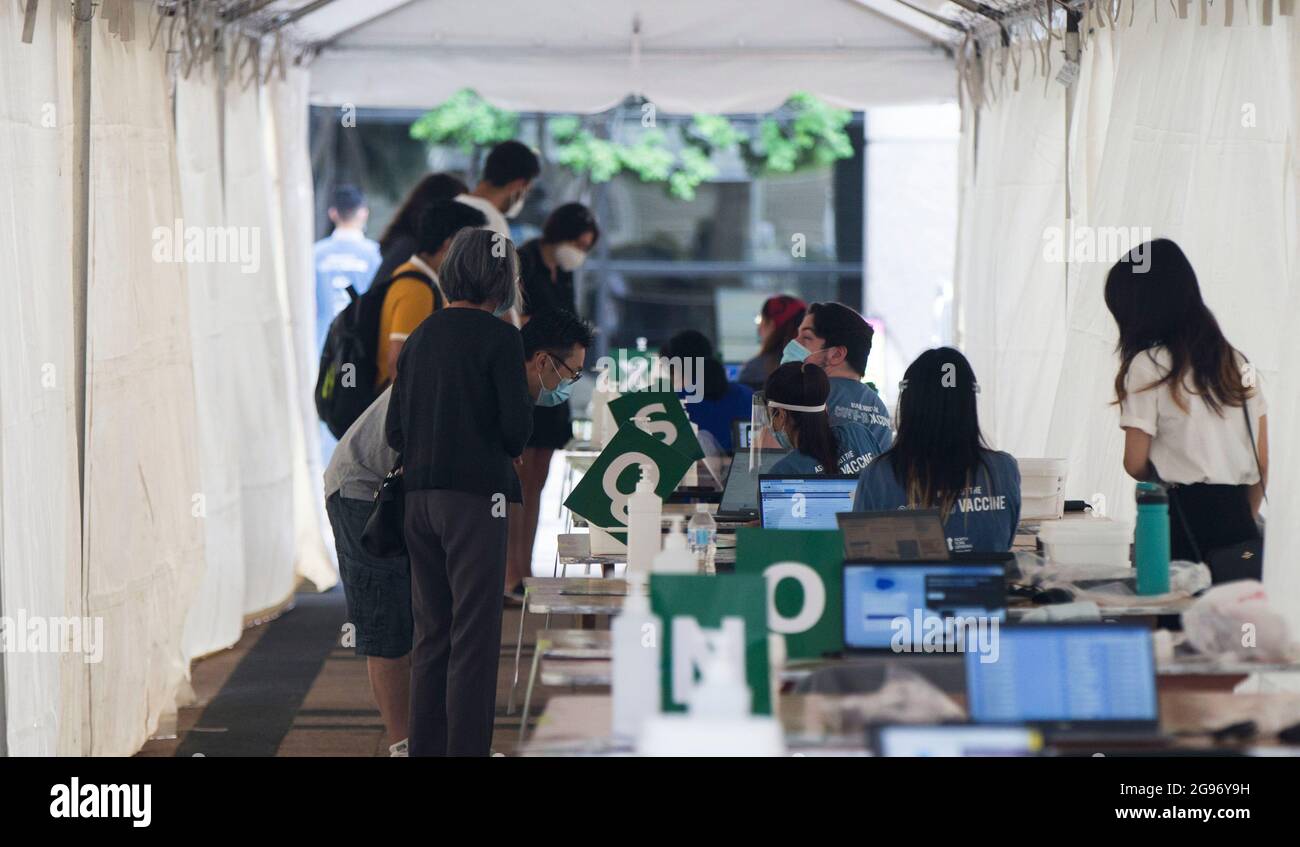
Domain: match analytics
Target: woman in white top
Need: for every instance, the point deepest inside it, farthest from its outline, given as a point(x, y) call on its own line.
point(1192, 411)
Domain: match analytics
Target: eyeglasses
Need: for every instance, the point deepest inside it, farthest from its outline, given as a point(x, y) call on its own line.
point(573, 376)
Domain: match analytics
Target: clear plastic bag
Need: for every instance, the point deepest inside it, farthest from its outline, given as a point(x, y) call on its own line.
point(1235, 619)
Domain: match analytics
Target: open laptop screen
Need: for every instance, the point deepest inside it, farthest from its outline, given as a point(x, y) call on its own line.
point(804, 502)
point(954, 740)
point(894, 605)
point(740, 496)
point(1065, 673)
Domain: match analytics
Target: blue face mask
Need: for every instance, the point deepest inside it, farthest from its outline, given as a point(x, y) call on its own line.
point(794, 352)
point(556, 396)
point(500, 311)
point(783, 440)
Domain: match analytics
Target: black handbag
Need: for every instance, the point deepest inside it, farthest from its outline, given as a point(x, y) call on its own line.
point(1243, 560)
point(384, 535)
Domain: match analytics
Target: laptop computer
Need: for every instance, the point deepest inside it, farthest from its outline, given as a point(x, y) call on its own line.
point(742, 435)
point(740, 493)
point(804, 502)
point(924, 607)
point(895, 535)
point(955, 740)
point(1074, 681)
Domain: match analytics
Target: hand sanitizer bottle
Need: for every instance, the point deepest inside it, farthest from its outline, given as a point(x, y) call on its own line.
point(676, 556)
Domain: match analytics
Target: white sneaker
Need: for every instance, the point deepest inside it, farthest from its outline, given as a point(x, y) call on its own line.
point(400, 750)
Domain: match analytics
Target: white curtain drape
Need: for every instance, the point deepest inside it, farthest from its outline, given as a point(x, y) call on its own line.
point(287, 107)
point(40, 533)
point(145, 545)
point(265, 431)
point(1181, 131)
point(202, 471)
point(1011, 303)
point(222, 377)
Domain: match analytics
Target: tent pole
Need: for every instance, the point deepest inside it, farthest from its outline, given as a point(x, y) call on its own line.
point(82, 13)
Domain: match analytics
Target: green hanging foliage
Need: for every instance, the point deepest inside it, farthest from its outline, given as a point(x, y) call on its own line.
point(804, 133)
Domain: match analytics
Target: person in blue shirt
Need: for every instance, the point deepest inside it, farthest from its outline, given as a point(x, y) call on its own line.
point(711, 401)
point(796, 406)
point(344, 258)
point(838, 340)
point(939, 459)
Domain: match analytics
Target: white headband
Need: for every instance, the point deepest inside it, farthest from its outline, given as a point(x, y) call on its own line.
point(793, 408)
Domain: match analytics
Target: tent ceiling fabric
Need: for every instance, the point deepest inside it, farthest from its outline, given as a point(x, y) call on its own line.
point(588, 55)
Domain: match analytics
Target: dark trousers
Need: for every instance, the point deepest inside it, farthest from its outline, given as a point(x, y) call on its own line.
point(1204, 517)
point(457, 549)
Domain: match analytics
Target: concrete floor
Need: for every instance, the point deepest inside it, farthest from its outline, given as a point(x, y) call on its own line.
point(288, 689)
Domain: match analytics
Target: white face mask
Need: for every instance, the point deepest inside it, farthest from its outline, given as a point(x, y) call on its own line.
point(569, 258)
point(515, 207)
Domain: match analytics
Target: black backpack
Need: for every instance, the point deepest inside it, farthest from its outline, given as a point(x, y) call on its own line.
point(349, 362)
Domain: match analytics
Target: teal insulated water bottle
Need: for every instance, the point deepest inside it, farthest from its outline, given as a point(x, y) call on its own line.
point(1151, 540)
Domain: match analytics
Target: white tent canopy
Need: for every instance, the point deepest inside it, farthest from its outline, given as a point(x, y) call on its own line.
point(199, 440)
point(588, 55)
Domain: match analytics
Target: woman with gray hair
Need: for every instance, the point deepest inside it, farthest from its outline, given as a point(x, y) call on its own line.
point(460, 413)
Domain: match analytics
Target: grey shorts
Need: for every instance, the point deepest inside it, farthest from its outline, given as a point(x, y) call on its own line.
point(378, 591)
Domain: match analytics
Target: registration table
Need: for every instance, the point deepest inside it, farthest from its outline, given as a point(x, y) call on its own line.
point(815, 724)
point(558, 663)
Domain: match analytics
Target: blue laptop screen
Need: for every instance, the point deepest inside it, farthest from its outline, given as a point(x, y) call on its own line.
point(893, 605)
point(805, 503)
point(1064, 673)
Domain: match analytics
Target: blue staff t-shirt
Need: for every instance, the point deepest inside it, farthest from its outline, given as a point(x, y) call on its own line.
point(983, 518)
point(857, 449)
point(851, 401)
point(341, 260)
point(715, 416)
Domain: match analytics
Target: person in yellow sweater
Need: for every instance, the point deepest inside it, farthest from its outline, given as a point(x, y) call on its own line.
point(413, 291)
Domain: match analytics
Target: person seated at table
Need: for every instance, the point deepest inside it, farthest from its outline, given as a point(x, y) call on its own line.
point(711, 401)
point(838, 339)
point(796, 407)
point(939, 459)
point(778, 324)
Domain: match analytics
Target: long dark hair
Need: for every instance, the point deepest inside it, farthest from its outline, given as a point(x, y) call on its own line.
point(938, 448)
point(691, 344)
point(1156, 301)
point(801, 384)
point(429, 190)
point(787, 313)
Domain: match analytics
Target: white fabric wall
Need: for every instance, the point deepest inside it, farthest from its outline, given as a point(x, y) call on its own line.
point(144, 544)
point(1281, 575)
point(201, 497)
point(40, 534)
point(287, 107)
point(221, 376)
point(1163, 140)
point(1011, 303)
point(259, 347)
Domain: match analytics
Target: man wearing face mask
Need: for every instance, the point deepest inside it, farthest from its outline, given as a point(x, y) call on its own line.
point(555, 344)
point(546, 275)
point(838, 340)
point(378, 591)
point(508, 173)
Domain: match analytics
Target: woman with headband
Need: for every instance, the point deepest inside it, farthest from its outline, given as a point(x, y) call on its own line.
point(778, 324)
point(796, 407)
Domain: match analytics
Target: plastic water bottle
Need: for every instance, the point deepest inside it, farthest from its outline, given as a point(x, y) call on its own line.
point(1151, 539)
point(702, 533)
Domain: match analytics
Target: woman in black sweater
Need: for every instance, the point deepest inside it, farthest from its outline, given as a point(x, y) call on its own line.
point(459, 414)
